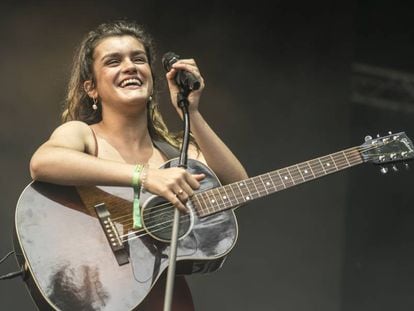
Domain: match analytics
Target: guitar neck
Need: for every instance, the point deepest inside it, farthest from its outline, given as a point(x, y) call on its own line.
point(231, 195)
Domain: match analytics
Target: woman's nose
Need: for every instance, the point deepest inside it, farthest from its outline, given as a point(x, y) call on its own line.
point(129, 65)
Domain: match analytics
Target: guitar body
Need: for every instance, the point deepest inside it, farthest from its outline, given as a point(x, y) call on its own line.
point(69, 261)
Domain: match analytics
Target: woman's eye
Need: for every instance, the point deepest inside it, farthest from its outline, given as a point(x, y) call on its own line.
point(140, 60)
point(112, 62)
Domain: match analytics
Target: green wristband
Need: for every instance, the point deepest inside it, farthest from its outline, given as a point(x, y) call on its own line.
point(136, 184)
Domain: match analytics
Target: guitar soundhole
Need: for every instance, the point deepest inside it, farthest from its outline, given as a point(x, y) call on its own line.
point(158, 217)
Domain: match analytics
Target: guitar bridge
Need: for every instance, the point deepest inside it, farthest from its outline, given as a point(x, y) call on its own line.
point(112, 234)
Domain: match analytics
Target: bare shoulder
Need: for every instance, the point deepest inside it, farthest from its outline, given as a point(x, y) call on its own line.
point(72, 127)
point(74, 135)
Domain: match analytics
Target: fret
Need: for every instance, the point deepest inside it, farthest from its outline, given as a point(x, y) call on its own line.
point(247, 195)
point(346, 158)
point(269, 181)
point(241, 189)
point(341, 160)
point(234, 197)
point(281, 179)
point(205, 207)
point(196, 203)
point(317, 168)
point(227, 198)
point(306, 171)
point(210, 201)
point(300, 172)
point(310, 167)
point(319, 159)
point(259, 185)
point(291, 178)
point(285, 178)
point(234, 194)
point(277, 180)
point(217, 196)
point(327, 165)
point(354, 156)
point(265, 185)
point(296, 174)
point(254, 192)
point(333, 161)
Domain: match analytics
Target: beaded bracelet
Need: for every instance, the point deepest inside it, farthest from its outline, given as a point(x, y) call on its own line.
point(136, 184)
point(144, 174)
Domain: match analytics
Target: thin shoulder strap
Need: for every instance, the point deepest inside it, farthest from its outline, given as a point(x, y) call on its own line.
point(96, 142)
point(169, 151)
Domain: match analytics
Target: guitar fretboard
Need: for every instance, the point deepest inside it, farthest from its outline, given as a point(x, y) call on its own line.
point(231, 195)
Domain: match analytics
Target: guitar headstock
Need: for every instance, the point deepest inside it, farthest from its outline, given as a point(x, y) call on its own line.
point(387, 149)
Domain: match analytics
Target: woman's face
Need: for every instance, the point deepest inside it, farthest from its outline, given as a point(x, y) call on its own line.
point(122, 72)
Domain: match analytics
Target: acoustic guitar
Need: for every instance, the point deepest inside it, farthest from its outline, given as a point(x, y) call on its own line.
point(81, 251)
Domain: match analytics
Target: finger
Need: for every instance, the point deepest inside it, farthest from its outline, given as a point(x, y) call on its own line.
point(177, 203)
point(192, 67)
point(187, 191)
point(199, 176)
point(180, 193)
point(188, 61)
point(192, 182)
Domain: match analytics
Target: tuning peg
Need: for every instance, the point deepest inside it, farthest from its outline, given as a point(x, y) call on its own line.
point(394, 168)
point(389, 133)
point(368, 137)
point(384, 170)
point(406, 166)
point(378, 135)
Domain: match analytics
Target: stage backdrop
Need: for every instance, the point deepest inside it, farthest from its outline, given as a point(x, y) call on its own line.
point(278, 91)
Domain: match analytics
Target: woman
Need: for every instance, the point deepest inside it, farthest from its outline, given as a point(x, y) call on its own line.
point(111, 120)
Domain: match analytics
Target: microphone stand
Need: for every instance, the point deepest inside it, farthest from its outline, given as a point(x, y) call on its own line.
point(183, 103)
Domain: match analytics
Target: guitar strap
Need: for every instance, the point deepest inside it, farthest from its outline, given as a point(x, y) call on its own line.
point(169, 151)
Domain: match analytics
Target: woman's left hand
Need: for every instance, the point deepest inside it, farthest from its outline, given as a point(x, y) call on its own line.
point(194, 96)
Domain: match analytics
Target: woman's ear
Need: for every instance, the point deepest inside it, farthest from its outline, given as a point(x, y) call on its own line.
point(90, 89)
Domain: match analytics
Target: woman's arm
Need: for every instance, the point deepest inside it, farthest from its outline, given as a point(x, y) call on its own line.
point(64, 159)
point(217, 155)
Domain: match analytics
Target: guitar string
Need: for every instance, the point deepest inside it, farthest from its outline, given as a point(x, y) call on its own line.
point(169, 222)
point(146, 233)
point(161, 211)
point(168, 204)
point(353, 161)
point(159, 224)
point(158, 208)
point(359, 160)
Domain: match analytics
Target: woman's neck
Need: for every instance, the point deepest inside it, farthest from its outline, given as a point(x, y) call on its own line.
point(126, 129)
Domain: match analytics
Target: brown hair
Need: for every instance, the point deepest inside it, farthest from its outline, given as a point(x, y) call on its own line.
point(78, 105)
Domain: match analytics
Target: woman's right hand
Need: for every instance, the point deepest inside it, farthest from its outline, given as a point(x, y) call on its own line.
point(174, 184)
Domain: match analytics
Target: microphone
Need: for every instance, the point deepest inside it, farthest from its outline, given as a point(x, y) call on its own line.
point(184, 79)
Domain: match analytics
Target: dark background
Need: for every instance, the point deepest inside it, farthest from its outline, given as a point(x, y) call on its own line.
point(278, 92)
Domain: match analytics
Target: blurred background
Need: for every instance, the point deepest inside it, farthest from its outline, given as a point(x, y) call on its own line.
point(287, 81)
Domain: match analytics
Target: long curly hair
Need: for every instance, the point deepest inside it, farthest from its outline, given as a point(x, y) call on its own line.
point(78, 105)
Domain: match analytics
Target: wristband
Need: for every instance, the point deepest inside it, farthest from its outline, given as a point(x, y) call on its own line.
point(136, 184)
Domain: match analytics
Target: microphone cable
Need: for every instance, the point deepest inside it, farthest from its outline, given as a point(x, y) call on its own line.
point(11, 275)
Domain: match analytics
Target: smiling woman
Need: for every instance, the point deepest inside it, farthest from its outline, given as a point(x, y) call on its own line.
point(129, 86)
point(113, 135)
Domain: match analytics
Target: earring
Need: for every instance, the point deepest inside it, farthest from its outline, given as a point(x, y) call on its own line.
point(95, 106)
point(150, 98)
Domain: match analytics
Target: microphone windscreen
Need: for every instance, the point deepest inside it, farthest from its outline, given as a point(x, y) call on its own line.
point(168, 59)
